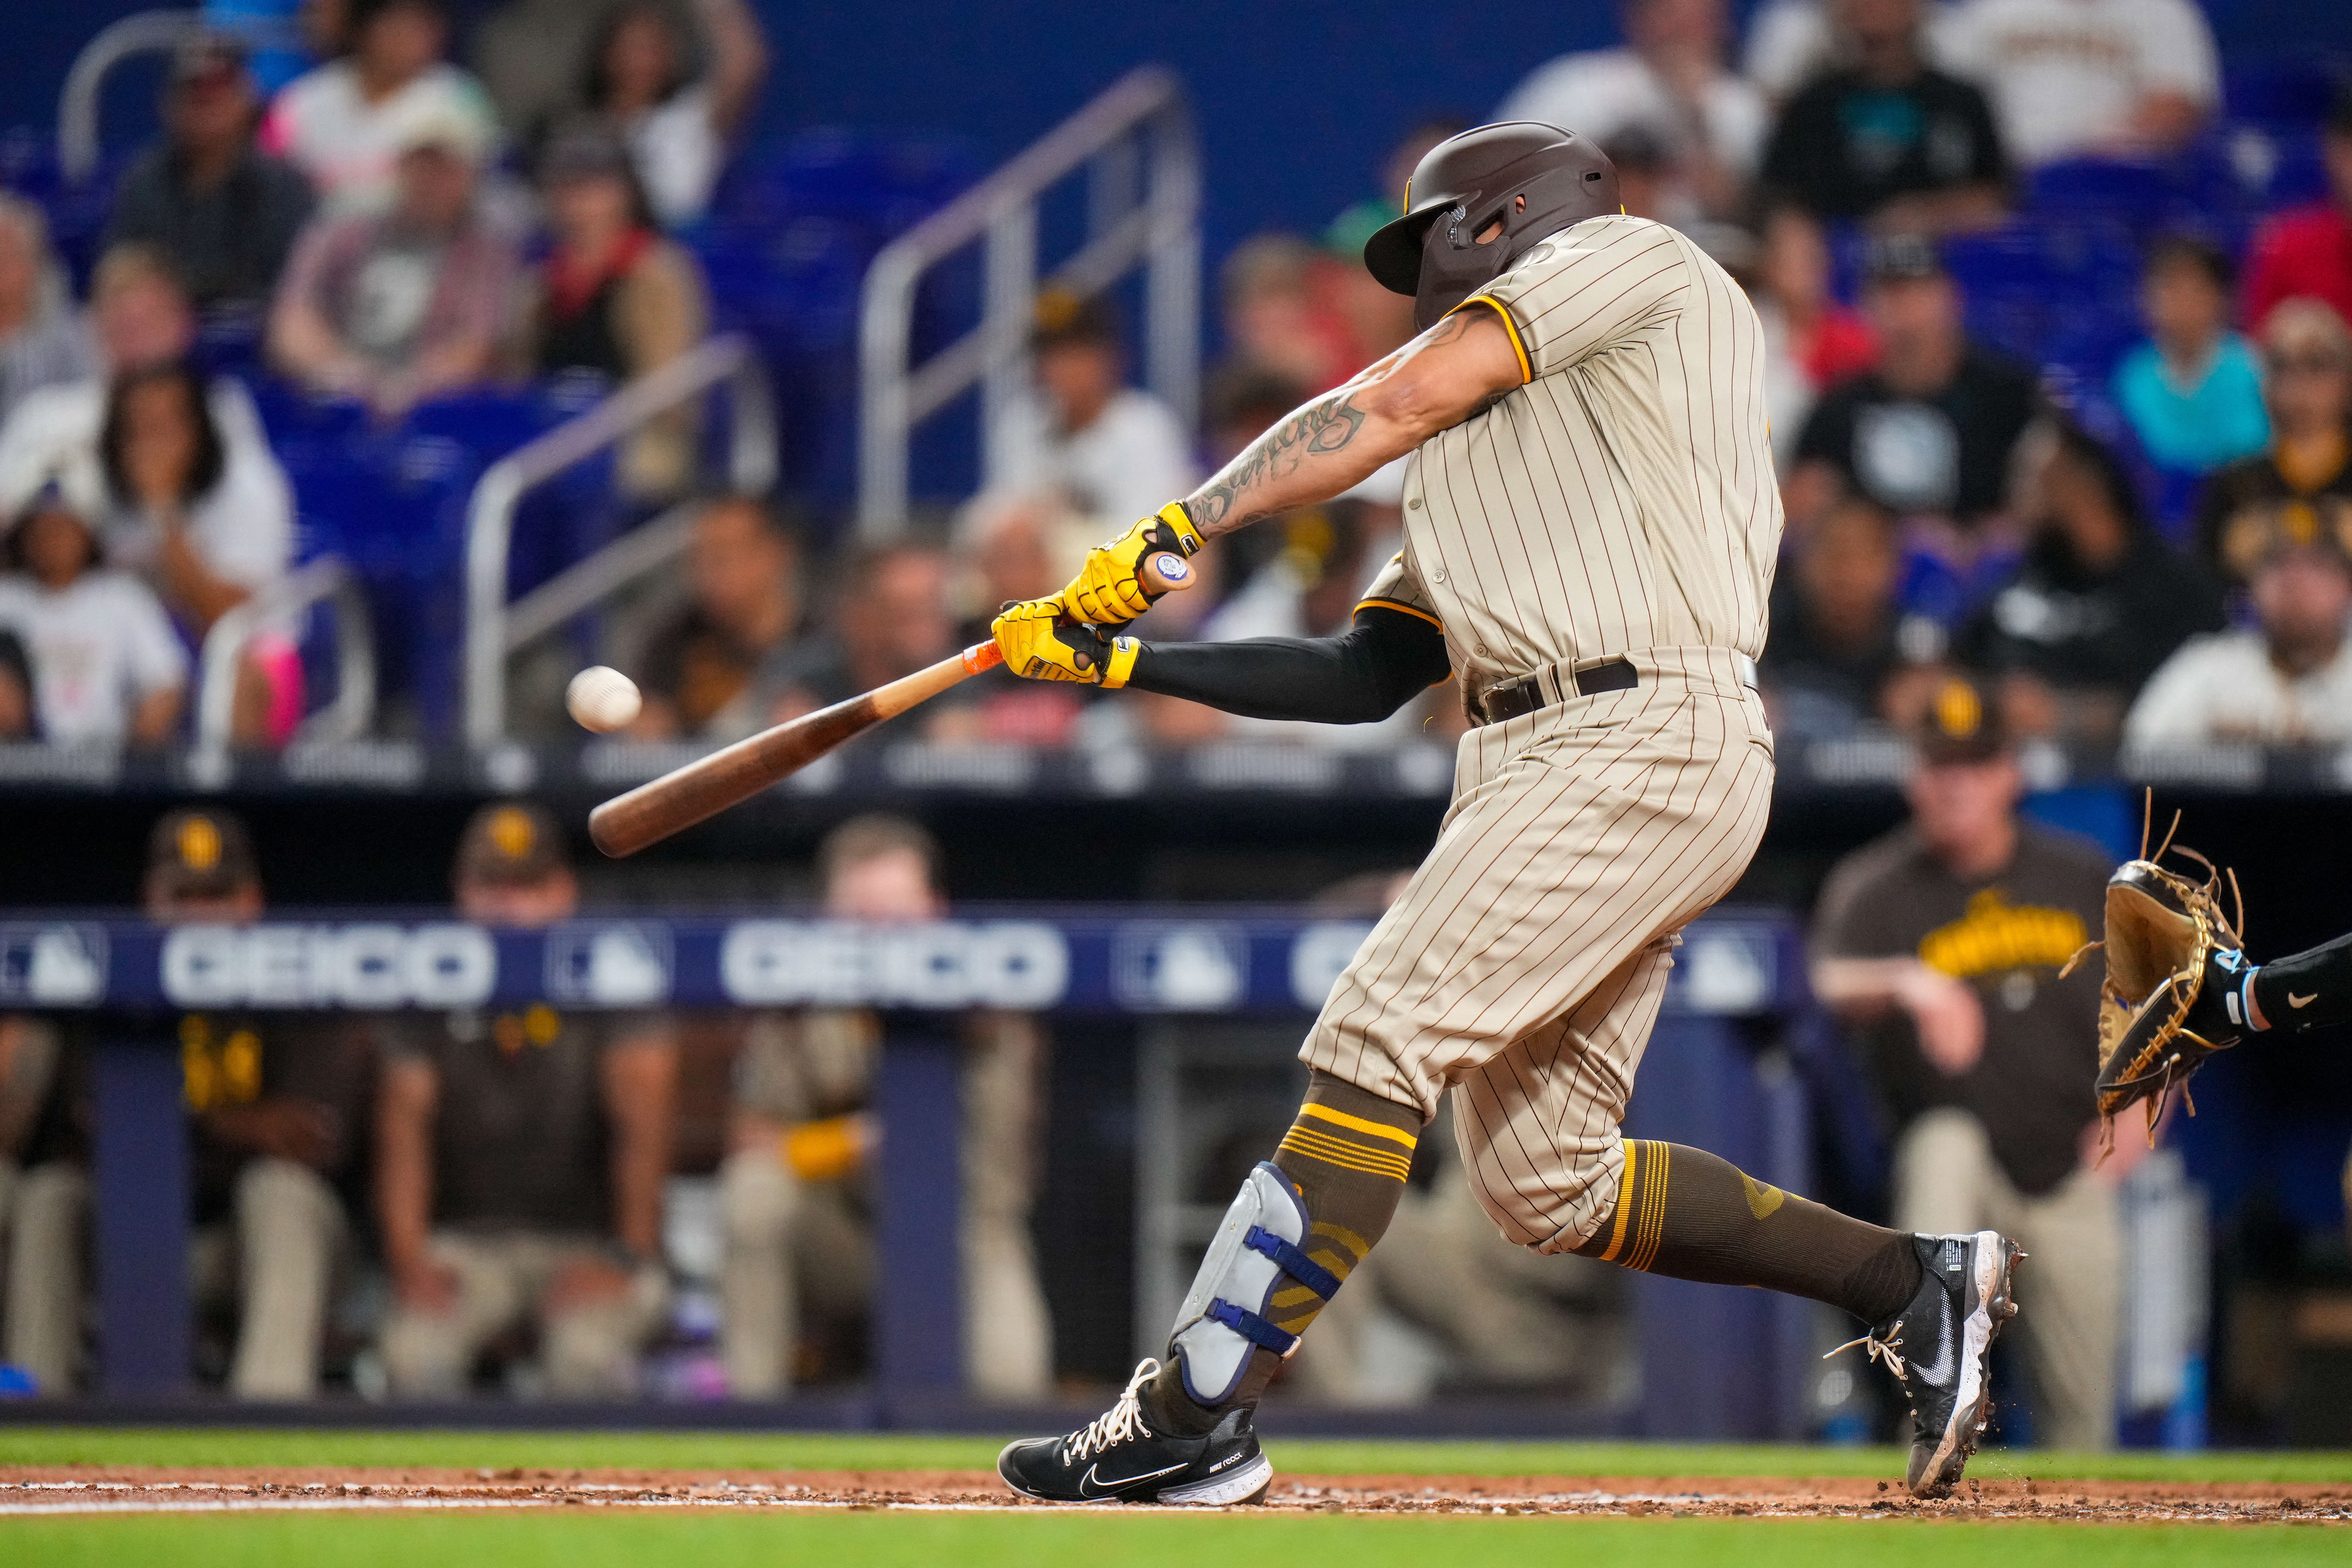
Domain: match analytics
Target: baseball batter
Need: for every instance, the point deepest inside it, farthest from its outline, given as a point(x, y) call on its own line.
point(1592, 522)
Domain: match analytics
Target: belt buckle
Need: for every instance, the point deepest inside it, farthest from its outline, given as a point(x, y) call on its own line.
point(1511, 691)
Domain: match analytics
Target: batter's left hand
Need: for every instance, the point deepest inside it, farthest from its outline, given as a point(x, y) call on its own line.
point(1107, 590)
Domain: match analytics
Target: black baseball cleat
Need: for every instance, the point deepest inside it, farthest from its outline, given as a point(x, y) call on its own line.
point(1945, 1338)
point(1118, 1458)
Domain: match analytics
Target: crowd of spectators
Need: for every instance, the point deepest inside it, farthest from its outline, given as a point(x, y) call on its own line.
point(393, 229)
point(381, 228)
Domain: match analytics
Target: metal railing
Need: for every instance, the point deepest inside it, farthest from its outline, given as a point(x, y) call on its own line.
point(347, 717)
point(490, 516)
point(1137, 132)
point(142, 33)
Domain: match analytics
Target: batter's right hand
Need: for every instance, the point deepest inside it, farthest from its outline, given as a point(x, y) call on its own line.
point(1039, 643)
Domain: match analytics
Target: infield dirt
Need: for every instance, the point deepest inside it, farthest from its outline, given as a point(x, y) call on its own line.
point(59, 1489)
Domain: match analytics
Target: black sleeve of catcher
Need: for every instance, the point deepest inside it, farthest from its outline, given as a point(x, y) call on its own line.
point(1360, 677)
point(2303, 989)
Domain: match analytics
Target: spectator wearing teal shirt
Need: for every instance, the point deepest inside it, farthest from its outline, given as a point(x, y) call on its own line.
point(2193, 391)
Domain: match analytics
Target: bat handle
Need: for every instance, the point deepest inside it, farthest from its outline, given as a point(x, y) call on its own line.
point(1165, 571)
point(982, 656)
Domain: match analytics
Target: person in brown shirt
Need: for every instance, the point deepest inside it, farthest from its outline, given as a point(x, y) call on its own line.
point(2299, 490)
point(799, 1227)
point(520, 1156)
point(1940, 946)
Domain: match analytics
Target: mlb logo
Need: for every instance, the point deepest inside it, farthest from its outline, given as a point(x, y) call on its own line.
point(609, 964)
point(1197, 967)
point(53, 965)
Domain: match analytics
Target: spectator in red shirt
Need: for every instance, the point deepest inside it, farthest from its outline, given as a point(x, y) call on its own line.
point(1811, 341)
point(2307, 253)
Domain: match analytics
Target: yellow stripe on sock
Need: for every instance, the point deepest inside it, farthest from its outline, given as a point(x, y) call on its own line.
point(1310, 1138)
point(1627, 1185)
point(1653, 1206)
point(1358, 1124)
point(1347, 1156)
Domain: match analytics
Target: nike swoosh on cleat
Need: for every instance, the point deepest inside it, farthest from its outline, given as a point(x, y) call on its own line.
point(1091, 1485)
point(1945, 1362)
point(2295, 1001)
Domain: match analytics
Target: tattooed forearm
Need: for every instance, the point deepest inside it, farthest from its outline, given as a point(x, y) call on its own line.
point(1319, 429)
point(1438, 380)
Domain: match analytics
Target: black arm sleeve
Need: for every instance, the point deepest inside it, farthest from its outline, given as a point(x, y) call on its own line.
point(1360, 677)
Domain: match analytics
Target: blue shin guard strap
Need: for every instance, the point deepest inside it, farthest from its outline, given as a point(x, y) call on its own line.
point(1252, 1327)
point(1292, 1262)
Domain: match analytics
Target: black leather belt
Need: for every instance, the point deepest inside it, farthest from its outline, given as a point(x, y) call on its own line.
point(1512, 698)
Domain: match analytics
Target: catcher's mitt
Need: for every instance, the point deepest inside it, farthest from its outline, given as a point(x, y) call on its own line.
point(2158, 1020)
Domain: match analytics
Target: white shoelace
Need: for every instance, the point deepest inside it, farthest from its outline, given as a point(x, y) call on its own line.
point(1875, 1349)
point(1121, 1422)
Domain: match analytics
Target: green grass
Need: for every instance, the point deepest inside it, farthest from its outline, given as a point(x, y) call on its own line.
point(741, 1451)
point(575, 1540)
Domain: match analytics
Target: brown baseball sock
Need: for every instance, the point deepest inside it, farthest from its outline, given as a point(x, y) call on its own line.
point(1348, 1153)
point(1682, 1213)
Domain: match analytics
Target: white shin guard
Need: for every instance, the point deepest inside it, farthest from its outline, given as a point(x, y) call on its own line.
point(1260, 1241)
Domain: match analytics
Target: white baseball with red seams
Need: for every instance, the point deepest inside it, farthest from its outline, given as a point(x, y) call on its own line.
point(602, 698)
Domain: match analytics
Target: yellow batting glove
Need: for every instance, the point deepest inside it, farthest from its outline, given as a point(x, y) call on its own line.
point(1106, 591)
point(1038, 644)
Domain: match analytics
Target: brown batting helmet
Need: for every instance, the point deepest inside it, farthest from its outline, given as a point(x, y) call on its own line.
point(1536, 178)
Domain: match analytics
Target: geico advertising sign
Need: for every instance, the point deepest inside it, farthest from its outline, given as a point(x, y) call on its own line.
point(950, 964)
point(329, 966)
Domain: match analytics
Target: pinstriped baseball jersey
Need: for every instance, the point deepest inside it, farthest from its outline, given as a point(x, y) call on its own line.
point(1623, 497)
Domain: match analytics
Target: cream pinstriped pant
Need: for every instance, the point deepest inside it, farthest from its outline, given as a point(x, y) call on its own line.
point(1525, 960)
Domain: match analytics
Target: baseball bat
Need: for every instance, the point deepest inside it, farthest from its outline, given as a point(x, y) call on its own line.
point(709, 786)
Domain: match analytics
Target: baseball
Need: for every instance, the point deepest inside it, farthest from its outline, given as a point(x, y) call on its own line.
point(602, 698)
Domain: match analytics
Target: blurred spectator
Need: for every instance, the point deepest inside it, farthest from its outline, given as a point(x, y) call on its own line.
point(1811, 342)
point(17, 720)
point(223, 213)
point(2097, 604)
point(279, 1104)
point(2303, 486)
point(205, 530)
point(45, 1134)
point(411, 305)
point(315, 26)
point(2287, 682)
point(700, 668)
point(1928, 433)
point(1380, 321)
point(2193, 390)
point(615, 299)
point(1275, 322)
point(348, 123)
point(140, 319)
point(41, 342)
point(799, 1224)
point(520, 1156)
point(1886, 138)
point(1669, 80)
point(1836, 642)
point(1791, 42)
point(1011, 546)
point(678, 125)
point(1646, 183)
point(1939, 945)
point(1114, 451)
point(107, 669)
point(2307, 252)
point(890, 618)
point(2074, 78)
